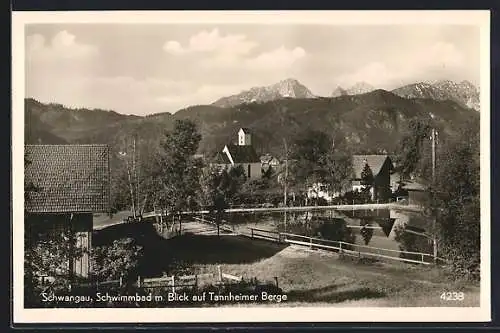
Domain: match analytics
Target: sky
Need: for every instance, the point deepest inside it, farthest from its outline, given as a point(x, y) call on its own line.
point(150, 68)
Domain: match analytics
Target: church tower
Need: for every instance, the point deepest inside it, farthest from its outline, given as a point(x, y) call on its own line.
point(244, 137)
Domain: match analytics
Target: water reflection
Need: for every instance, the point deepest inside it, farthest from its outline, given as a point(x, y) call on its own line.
point(382, 228)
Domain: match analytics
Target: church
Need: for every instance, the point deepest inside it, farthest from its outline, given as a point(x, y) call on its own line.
point(243, 154)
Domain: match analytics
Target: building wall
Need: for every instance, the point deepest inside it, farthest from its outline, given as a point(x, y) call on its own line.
point(52, 225)
point(244, 139)
point(83, 233)
point(417, 197)
point(255, 169)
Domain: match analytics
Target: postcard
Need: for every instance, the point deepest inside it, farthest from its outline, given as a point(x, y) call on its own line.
point(251, 166)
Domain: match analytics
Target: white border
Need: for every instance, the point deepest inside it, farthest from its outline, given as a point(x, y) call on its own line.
point(247, 314)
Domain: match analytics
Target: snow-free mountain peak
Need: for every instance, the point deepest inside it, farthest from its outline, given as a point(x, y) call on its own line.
point(287, 88)
point(464, 93)
point(356, 89)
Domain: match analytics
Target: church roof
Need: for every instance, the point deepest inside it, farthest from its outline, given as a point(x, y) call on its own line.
point(243, 154)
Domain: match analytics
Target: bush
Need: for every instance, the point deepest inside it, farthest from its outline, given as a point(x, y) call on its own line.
point(121, 259)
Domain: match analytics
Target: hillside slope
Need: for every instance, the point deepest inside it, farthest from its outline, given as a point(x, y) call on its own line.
point(372, 121)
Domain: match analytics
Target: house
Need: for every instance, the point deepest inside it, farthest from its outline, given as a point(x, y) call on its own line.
point(395, 181)
point(381, 167)
point(418, 194)
point(320, 190)
point(243, 154)
point(72, 182)
point(268, 161)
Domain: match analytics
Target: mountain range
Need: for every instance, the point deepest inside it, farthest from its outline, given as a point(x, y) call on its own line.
point(371, 122)
point(464, 93)
point(289, 88)
point(356, 89)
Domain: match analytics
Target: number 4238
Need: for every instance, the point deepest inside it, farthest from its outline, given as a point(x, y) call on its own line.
point(452, 296)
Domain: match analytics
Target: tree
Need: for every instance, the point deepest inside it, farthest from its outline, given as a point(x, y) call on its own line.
point(317, 159)
point(367, 233)
point(338, 166)
point(177, 170)
point(454, 201)
point(218, 189)
point(458, 202)
point(308, 151)
point(367, 176)
point(413, 154)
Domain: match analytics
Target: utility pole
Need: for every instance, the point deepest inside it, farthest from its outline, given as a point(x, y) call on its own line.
point(131, 188)
point(136, 178)
point(285, 194)
point(433, 194)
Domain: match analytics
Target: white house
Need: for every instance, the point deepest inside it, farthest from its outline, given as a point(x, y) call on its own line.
point(319, 190)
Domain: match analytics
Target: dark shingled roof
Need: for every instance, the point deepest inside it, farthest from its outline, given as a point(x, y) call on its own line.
point(70, 178)
point(221, 158)
point(375, 162)
point(414, 186)
point(245, 130)
point(243, 154)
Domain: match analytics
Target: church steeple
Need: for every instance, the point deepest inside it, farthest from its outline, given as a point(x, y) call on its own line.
point(244, 137)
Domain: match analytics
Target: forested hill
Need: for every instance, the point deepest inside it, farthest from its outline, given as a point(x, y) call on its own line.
point(370, 122)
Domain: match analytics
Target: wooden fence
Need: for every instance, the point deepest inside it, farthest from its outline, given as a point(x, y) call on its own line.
point(223, 226)
point(167, 282)
point(344, 247)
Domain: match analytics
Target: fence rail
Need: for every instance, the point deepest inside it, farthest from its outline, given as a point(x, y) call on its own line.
point(173, 282)
point(344, 247)
point(222, 226)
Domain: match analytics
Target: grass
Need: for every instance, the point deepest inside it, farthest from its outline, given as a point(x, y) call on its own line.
point(308, 277)
point(311, 277)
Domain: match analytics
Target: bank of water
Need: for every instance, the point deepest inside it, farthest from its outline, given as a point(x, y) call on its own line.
point(378, 228)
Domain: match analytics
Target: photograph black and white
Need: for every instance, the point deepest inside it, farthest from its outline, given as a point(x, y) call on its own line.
point(264, 165)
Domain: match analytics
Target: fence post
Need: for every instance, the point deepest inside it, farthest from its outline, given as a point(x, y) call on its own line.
point(310, 242)
point(251, 229)
point(340, 244)
point(121, 281)
point(173, 284)
point(276, 279)
point(139, 281)
point(196, 281)
point(422, 258)
point(219, 273)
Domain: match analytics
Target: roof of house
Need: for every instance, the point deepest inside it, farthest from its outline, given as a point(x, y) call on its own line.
point(245, 130)
point(69, 178)
point(243, 154)
point(375, 162)
point(413, 186)
point(221, 158)
point(268, 158)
